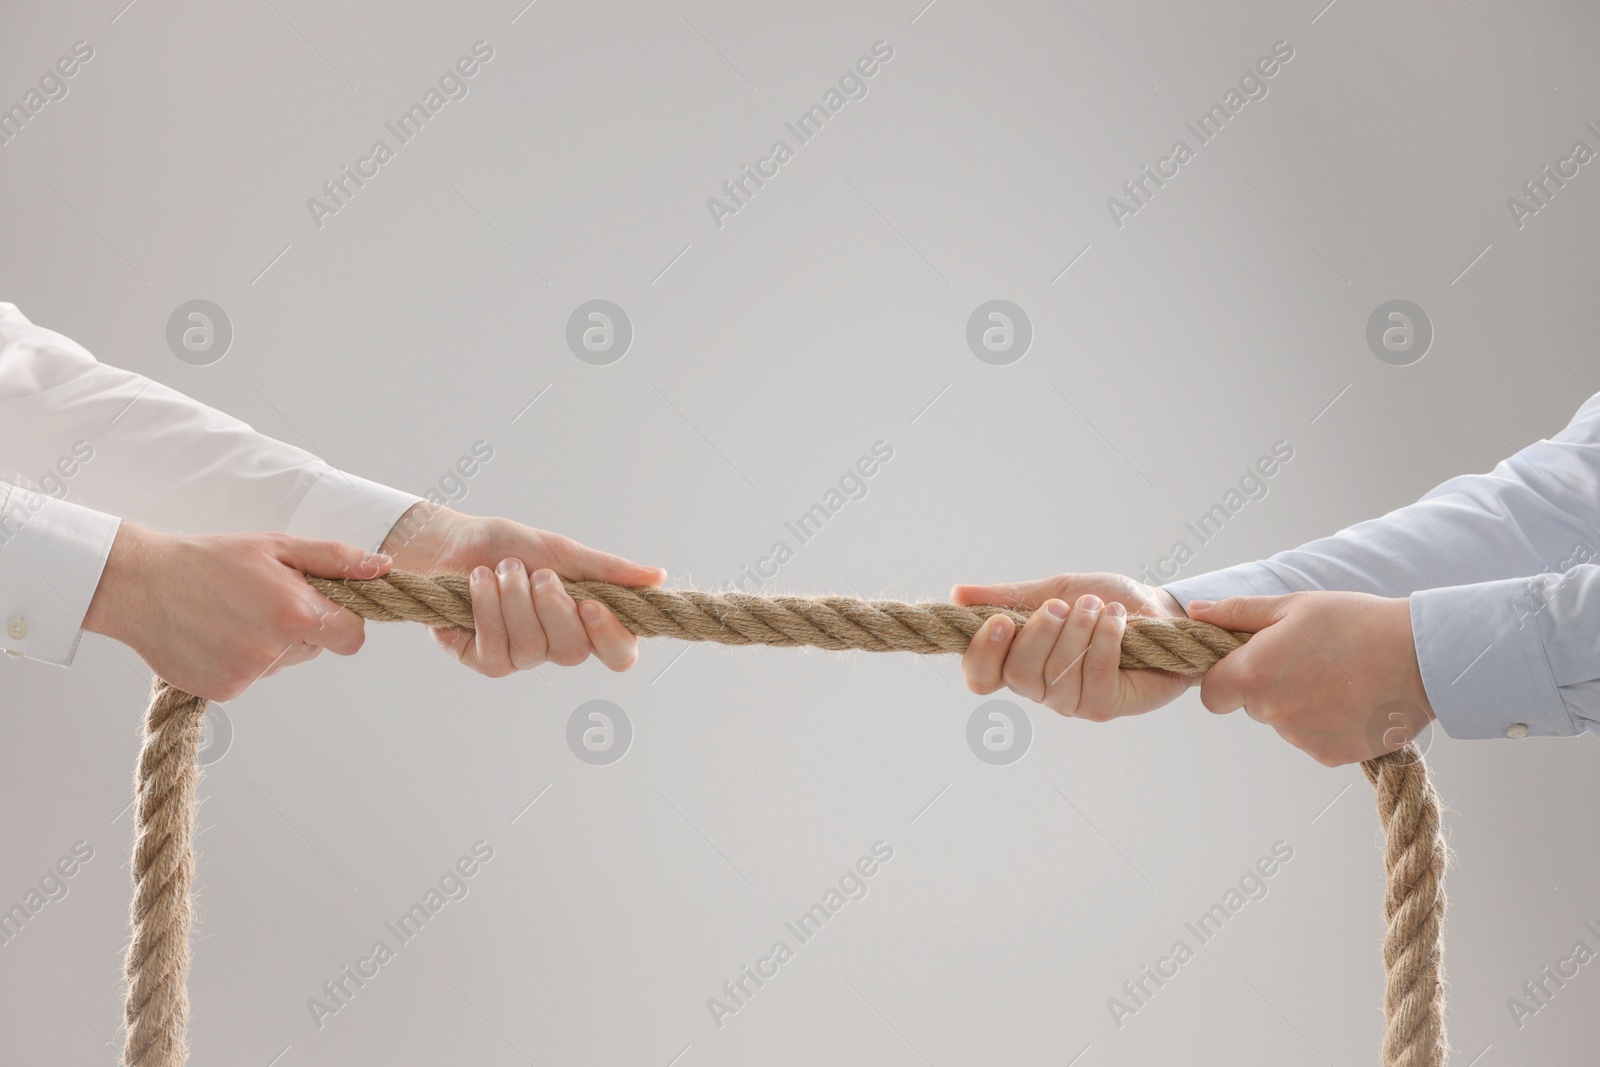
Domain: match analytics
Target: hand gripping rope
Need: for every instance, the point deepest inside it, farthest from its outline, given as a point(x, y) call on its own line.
point(157, 1008)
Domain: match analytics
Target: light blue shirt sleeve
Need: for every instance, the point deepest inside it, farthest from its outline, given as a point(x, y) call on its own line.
point(1500, 569)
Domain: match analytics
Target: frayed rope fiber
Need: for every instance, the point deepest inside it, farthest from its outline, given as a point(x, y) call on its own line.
point(157, 1007)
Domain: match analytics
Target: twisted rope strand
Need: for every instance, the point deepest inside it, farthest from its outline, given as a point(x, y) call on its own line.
point(838, 623)
point(163, 861)
point(157, 967)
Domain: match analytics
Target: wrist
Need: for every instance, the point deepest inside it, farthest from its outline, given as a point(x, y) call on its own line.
point(1170, 603)
point(122, 582)
point(428, 534)
point(1416, 689)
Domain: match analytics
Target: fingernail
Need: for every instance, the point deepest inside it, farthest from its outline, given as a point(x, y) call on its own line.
point(590, 609)
point(543, 577)
point(1116, 610)
point(480, 574)
point(1000, 629)
point(1057, 609)
point(382, 559)
point(506, 567)
point(1090, 602)
point(1199, 604)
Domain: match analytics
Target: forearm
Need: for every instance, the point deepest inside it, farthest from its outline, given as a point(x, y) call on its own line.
point(1537, 511)
point(115, 441)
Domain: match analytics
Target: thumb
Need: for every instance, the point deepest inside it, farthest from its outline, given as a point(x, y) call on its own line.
point(1245, 613)
point(1010, 594)
point(333, 559)
point(580, 563)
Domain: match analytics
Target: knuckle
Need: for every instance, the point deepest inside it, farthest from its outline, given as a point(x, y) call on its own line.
point(286, 615)
point(1251, 677)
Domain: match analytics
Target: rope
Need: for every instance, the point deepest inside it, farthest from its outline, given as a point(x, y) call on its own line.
point(163, 859)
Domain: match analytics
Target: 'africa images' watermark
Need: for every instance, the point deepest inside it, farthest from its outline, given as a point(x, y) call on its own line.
point(1139, 191)
point(1542, 189)
point(738, 991)
point(851, 485)
point(19, 505)
point(999, 332)
point(452, 885)
point(599, 732)
point(738, 191)
point(999, 732)
point(52, 87)
point(1252, 485)
point(199, 332)
point(339, 190)
point(1537, 992)
point(599, 332)
point(52, 886)
point(1251, 887)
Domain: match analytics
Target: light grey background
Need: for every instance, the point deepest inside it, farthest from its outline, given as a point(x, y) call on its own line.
point(768, 355)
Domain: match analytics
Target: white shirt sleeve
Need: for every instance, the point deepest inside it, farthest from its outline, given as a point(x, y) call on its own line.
point(1503, 597)
point(51, 556)
point(95, 441)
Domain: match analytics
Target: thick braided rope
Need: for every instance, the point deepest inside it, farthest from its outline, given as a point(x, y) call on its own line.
point(163, 864)
point(157, 1008)
point(1413, 905)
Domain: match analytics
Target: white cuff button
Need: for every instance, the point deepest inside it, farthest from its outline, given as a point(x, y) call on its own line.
point(17, 629)
point(1516, 730)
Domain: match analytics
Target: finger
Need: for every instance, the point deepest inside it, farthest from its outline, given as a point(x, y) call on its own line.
point(524, 636)
point(1011, 594)
point(332, 559)
point(558, 614)
point(1063, 666)
point(584, 564)
point(492, 654)
point(337, 629)
point(1024, 669)
point(1101, 678)
point(1245, 613)
point(1222, 689)
point(615, 646)
point(985, 657)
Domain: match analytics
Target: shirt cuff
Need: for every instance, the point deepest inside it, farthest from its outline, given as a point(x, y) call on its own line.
point(52, 554)
point(1245, 579)
point(347, 508)
point(1484, 664)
